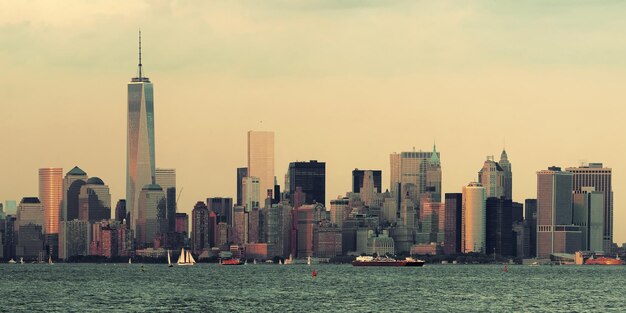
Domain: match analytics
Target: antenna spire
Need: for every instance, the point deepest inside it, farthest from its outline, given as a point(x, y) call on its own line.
point(140, 55)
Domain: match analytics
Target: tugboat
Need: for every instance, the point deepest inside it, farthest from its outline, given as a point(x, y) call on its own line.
point(386, 261)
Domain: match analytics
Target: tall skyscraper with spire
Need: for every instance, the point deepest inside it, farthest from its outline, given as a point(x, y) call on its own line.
point(433, 176)
point(140, 155)
point(507, 185)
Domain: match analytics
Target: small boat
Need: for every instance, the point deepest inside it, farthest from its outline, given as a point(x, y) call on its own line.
point(506, 268)
point(280, 262)
point(602, 260)
point(269, 261)
point(169, 261)
point(314, 274)
point(289, 260)
point(254, 261)
point(534, 264)
point(129, 261)
point(232, 262)
point(185, 258)
point(308, 260)
point(50, 260)
point(11, 261)
point(21, 260)
point(386, 261)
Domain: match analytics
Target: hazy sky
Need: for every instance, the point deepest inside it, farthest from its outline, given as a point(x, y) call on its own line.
point(346, 82)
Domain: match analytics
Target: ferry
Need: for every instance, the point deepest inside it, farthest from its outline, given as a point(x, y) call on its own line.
point(385, 261)
point(604, 261)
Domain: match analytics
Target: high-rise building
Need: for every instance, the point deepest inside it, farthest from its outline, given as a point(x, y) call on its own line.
point(530, 218)
point(29, 211)
point(491, 176)
point(358, 179)
point(51, 194)
point(588, 213)
point(508, 175)
point(597, 176)
point(94, 201)
point(200, 227)
point(182, 223)
point(73, 181)
point(151, 214)
point(408, 170)
point(166, 178)
point(311, 177)
point(368, 189)
point(10, 207)
point(261, 158)
point(242, 172)
point(74, 238)
point(140, 151)
point(433, 177)
point(499, 227)
point(453, 223)
point(474, 218)
point(555, 231)
point(223, 207)
point(30, 242)
point(308, 217)
point(339, 211)
point(251, 193)
point(120, 210)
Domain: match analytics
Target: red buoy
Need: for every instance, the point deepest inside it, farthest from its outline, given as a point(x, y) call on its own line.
point(314, 273)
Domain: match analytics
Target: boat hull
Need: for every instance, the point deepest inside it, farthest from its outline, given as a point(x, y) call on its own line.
point(388, 263)
point(604, 261)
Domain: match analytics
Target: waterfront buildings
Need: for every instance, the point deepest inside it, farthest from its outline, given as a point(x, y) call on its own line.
point(499, 223)
point(140, 150)
point(408, 174)
point(50, 194)
point(74, 238)
point(530, 217)
point(600, 178)
point(588, 213)
point(555, 231)
point(339, 211)
point(261, 159)
point(311, 178)
point(474, 218)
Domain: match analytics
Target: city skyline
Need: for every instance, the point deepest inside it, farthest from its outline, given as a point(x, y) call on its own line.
point(206, 157)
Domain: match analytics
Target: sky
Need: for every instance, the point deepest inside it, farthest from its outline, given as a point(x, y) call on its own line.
point(346, 82)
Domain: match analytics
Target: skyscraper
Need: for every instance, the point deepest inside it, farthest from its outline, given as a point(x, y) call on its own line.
point(588, 213)
point(120, 210)
point(555, 231)
point(530, 217)
point(94, 201)
point(599, 177)
point(357, 179)
point(491, 176)
point(311, 177)
point(241, 173)
point(433, 176)
point(140, 153)
point(409, 170)
point(499, 226)
point(251, 193)
point(50, 194)
point(200, 227)
point(166, 178)
point(223, 207)
point(29, 211)
point(453, 223)
point(261, 158)
point(151, 214)
point(73, 181)
point(474, 218)
point(508, 175)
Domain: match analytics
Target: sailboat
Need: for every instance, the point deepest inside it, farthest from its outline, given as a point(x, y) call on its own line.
point(11, 261)
point(50, 260)
point(129, 261)
point(21, 260)
point(308, 261)
point(169, 261)
point(289, 260)
point(185, 258)
point(254, 262)
point(280, 262)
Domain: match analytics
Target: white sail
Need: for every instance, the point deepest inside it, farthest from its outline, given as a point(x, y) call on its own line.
point(130, 261)
point(308, 261)
point(181, 257)
point(50, 260)
point(169, 261)
point(190, 258)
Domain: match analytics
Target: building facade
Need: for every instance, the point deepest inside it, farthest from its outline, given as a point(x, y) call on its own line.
point(474, 218)
point(51, 195)
point(311, 178)
point(261, 158)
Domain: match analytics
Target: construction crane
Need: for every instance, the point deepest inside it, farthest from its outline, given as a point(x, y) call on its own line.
point(178, 198)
